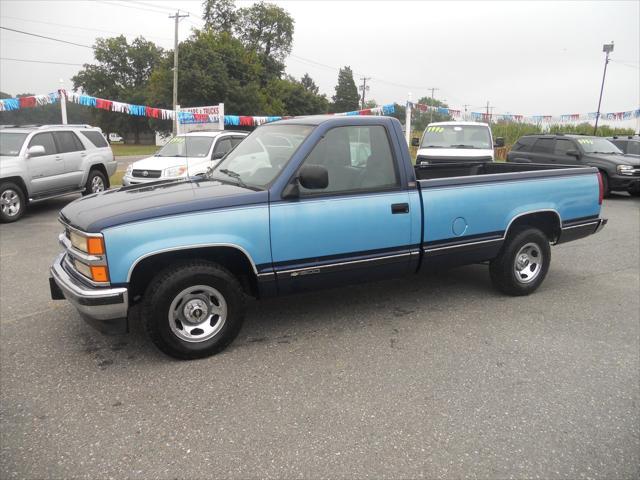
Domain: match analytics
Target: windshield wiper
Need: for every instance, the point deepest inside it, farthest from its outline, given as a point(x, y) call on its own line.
point(233, 174)
point(462, 146)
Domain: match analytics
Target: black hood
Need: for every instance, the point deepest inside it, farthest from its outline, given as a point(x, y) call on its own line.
point(152, 200)
point(616, 159)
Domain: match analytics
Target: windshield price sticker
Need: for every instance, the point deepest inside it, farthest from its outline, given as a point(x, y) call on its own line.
point(435, 129)
point(585, 141)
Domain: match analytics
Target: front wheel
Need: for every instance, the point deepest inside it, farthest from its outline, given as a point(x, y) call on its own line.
point(193, 309)
point(523, 262)
point(96, 183)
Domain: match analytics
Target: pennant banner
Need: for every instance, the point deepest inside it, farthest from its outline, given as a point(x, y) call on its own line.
point(8, 104)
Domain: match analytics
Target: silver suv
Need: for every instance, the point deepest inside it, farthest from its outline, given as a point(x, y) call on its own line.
point(42, 162)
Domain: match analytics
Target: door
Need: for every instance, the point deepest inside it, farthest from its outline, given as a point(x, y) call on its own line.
point(356, 229)
point(73, 154)
point(46, 171)
point(542, 151)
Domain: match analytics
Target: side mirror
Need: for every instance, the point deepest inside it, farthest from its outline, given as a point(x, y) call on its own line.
point(36, 151)
point(574, 153)
point(499, 142)
point(218, 155)
point(313, 177)
point(415, 142)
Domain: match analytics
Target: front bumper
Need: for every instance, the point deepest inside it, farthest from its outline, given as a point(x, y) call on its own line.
point(630, 183)
point(131, 180)
point(102, 307)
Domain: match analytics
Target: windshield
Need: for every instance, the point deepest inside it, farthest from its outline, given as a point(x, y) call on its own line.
point(456, 136)
point(258, 159)
point(597, 145)
point(11, 143)
point(186, 147)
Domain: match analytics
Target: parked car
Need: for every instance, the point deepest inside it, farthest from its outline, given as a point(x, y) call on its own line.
point(187, 252)
point(456, 142)
point(182, 156)
point(42, 162)
point(619, 172)
point(628, 145)
point(115, 138)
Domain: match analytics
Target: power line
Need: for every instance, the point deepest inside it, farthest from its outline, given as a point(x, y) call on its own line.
point(40, 61)
point(48, 38)
point(75, 26)
point(114, 4)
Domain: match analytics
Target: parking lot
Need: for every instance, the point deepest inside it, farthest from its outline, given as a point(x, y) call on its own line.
point(426, 376)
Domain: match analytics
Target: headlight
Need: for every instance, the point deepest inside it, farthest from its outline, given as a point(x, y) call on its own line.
point(625, 169)
point(129, 169)
point(90, 245)
point(174, 171)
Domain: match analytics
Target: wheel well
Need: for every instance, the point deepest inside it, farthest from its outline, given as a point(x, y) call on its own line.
point(548, 222)
point(19, 182)
point(229, 257)
point(101, 169)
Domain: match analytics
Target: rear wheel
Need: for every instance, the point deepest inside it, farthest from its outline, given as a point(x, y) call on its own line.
point(97, 182)
point(12, 202)
point(523, 263)
point(193, 309)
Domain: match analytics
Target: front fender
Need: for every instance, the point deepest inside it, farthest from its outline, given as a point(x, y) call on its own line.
point(246, 228)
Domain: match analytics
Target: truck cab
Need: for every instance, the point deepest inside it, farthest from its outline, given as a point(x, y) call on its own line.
point(444, 142)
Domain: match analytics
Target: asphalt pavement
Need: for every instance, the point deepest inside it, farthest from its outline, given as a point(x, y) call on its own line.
point(428, 376)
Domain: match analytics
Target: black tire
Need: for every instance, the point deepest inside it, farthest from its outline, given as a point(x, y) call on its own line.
point(12, 202)
point(606, 189)
point(503, 269)
point(94, 180)
point(635, 193)
point(169, 286)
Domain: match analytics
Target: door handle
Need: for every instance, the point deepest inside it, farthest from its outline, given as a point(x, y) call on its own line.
point(58, 158)
point(399, 208)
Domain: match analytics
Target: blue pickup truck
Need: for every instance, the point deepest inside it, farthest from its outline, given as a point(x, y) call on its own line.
point(302, 204)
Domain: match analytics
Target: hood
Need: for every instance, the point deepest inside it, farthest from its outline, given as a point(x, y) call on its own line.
point(152, 200)
point(617, 159)
point(160, 163)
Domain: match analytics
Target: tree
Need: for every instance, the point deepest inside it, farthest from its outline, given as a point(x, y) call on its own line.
point(268, 30)
point(420, 119)
point(288, 96)
point(308, 84)
point(370, 104)
point(346, 98)
point(219, 15)
point(122, 73)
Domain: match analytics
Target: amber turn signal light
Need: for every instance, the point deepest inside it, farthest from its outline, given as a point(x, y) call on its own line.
point(99, 273)
point(95, 246)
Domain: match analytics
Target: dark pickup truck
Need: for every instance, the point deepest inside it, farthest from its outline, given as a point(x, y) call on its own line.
point(295, 208)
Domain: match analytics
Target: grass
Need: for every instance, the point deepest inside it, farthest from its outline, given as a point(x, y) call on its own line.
point(116, 179)
point(122, 150)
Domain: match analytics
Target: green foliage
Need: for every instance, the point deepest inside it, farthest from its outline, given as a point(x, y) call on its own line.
point(219, 15)
point(267, 29)
point(308, 84)
point(289, 97)
point(122, 73)
point(587, 129)
point(44, 115)
point(370, 104)
point(346, 98)
point(512, 131)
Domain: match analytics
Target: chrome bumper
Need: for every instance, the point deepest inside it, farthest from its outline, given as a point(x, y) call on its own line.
point(104, 308)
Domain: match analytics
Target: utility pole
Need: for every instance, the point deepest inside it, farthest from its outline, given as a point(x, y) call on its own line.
point(607, 48)
point(177, 18)
point(364, 88)
point(433, 89)
point(63, 102)
point(489, 109)
point(465, 110)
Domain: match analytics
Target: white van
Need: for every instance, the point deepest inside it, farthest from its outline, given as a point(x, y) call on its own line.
point(445, 142)
point(183, 156)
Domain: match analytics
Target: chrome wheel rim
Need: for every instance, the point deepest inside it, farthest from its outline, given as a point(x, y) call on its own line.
point(197, 313)
point(528, 263)
point(97, 185)
point(10, 202)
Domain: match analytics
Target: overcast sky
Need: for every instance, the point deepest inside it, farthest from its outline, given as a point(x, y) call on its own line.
point(522, 57)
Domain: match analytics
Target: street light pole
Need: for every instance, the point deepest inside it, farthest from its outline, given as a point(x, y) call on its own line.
point(607, 48)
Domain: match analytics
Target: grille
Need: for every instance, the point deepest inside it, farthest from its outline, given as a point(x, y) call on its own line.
point(149, 173)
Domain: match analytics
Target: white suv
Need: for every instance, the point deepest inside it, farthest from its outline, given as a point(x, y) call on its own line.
point(183, 156)
point(42, 162)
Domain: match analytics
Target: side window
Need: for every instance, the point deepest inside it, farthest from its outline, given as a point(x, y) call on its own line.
point(524, 144)
point(235, 141)
point(563, 146)
point(543, 145)
point(356, 158)
point(633, 148)
point(222, 146)
point(95, 137)
point(68, 142)
point(45, 140)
